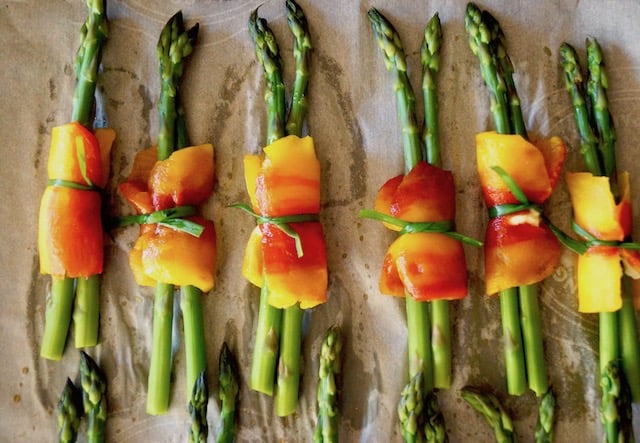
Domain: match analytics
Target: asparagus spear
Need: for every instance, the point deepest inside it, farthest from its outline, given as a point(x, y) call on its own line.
point(489, 406)
point(198, 410)
point(524, 353)
point(434, 427)
point(94, 397)
point(174, 45)
point(410, 409)
point(544, 426)
point(418, 318)
point(228, 393)
point(69, 413)
point(60, 303)
point(326, 430)
point(617, 330)
point(267, 342)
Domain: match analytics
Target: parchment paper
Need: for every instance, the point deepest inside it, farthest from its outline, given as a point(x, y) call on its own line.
point(352, 118)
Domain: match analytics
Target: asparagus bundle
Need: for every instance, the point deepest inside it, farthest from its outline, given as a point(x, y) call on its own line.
point(285, 255)
point(518, 234)
point(176, 246)
point(602, 217)
point(70, 234)
point(426, 264)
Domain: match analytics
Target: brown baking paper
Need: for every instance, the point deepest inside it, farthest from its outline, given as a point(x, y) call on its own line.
point(353, 121)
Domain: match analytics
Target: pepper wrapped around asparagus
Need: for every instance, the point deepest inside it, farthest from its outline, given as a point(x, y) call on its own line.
point(285, 255)
point(426, 263)
point(517, 174)
point(70, 232)
point(601, 200)
point(176, 246)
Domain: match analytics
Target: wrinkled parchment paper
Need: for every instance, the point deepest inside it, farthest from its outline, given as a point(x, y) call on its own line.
point(352, 117)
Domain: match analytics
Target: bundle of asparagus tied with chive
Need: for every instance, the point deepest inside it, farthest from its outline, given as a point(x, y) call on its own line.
point(90, 401)
point(70, 232)
point(176, 246)
point(285, 255)
point(426, 264)
point(602, 217)
point(517, 174)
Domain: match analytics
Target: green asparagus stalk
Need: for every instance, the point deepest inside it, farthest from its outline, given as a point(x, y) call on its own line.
point(418, 316)
point(297, 23)
point(69, 413)
point(174, 45)
point(545, 424)
point(619, 346)
point(199, 429)
point(489, 406)
point(326, 430)
point(524, 352)
point(410, 409)
point(440, 315)
point(228, 389)
point(60, 302)
point(434, 426)
point(94, 398)
point(267, 343)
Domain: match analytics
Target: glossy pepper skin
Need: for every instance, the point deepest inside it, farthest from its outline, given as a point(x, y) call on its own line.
point(286, 182)
point(600, 269)
point(426, 265)
point(70, 234)
point(520, 249)
point(161, 253)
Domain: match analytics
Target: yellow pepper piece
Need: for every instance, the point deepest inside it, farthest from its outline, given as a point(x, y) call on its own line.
point(599, 274)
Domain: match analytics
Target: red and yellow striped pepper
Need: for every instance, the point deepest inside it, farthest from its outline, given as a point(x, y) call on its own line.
point(283, 182)
point(161, 253)
point(426, 265)
point(600, 269)
point(520, 249)
point(70, 233)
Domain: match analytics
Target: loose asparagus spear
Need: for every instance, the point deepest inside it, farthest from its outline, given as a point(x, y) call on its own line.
point(489, 406)
point(174, 45)
point(410, 409)
point(418, 318)
point(94, 397)
point(544, 426)
point(60, 304)
point(228, 393)
point(326, 430)
point(69, 413)
point(434, 426)
point(524, 352)
point(198, 410)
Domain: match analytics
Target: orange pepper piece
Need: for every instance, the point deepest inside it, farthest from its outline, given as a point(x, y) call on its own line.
point(70, 235)
point(163, 254)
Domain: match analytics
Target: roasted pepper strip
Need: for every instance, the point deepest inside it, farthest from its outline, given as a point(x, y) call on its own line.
point(520, 249)
point(70, 235)
point(426, 265)
point(600, 268)
point(286, 182)
point(161, 253)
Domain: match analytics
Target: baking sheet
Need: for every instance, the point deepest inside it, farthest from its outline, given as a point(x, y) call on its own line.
point(352, 118)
